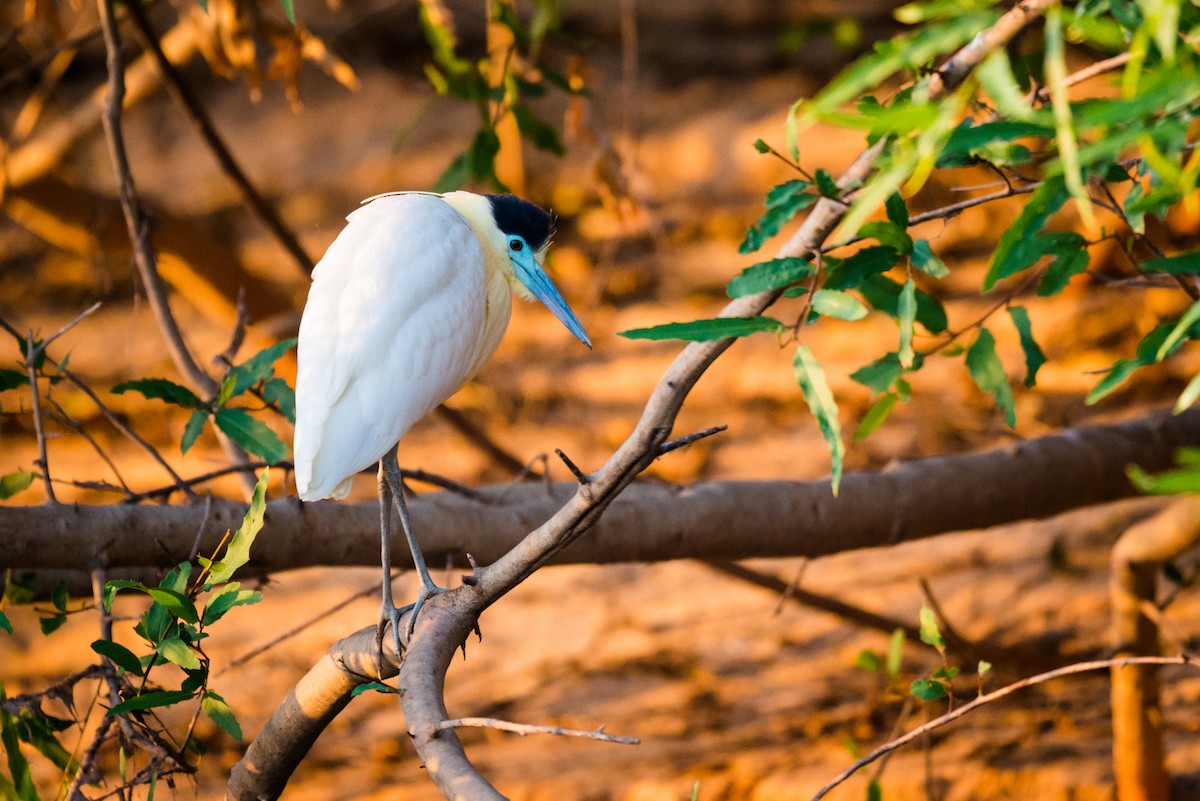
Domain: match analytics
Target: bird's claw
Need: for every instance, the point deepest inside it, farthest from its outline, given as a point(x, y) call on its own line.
point(390, 614)
point(427, 592)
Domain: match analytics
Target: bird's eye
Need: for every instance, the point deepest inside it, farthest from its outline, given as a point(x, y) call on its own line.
point(516, 245)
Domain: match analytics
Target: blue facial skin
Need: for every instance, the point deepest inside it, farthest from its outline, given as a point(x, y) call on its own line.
point(531, 274)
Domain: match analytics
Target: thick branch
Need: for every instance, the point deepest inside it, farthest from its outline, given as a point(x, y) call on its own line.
point(650, 522)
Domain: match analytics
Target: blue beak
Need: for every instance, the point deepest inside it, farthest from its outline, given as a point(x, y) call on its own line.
point(531, 274)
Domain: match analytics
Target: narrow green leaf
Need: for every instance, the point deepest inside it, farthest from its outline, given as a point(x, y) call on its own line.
point(707, 330)
point(1034, 358)
point(237, 552)
point(791, 130)
point(786, 192)
point(176, 603)
point(1183, 264)
point(925, 260)
point(906, 314)
point(455, 175)
point(251, 434)
point(215, 707)
point(815, 389)
point(372, 686)
point(996, 77)
point(1122, 369)
point(259, 367)
point(761, 146)
point(5, 623)
point(160, 389)
point(850, 273)
point(1018, 248)
point(775, 217)
point(931, 634)
point(149, 701)
point(884, 294)
point(543, 136)
point(177, 651)
point(768, 275)
point(1189, 395)
point(875, 416)
point(60, 595)
point(834, 303)
point(12, 483)
point(1060, 103)
point(988, 373)
point(18, 765)
point(119, 655)
point(895, 653)
point(1070, 258)
point(193, 429)
point(868, 660)
point(897, 211)
point(51, 623)
point(226, 598)
point(1168, 482)
point(290, 10)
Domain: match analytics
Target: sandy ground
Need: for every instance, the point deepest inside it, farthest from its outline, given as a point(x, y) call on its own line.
point(726, 686)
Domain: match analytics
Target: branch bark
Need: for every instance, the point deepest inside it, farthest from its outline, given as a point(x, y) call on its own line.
point(725, 520)
point(1138, 752)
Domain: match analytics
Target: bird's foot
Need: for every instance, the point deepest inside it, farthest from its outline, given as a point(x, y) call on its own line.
point(389, 615)
point(428, 590)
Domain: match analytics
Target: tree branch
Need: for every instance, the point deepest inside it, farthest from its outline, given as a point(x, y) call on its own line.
point(653, 521)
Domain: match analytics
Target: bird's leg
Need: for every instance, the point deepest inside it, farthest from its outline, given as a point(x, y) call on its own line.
point(391, 470)
point(389, 613)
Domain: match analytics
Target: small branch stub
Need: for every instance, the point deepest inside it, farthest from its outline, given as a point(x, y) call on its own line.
point(524, 729)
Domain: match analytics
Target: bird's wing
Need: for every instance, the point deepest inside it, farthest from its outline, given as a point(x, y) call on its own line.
point(389, 331)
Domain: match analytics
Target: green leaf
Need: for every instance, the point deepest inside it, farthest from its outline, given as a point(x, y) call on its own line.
point(1168, 482)
point(815, 389)
point(928, 690)
point(889, 234)
point(18, 766)
point(1147, 353)
point(1018, 248)
point(177, 651)
point(966, 141)
point(827, 186)
point(5, 623)
point(930, 633)
point(539, 133)
point(455, 175)
point(996, 77)
point(175, 602)
point(925, 260)
point(1064, 125)
point(15, 482)
point(895, 653)
point(834, 303)
point(280, 393)
point(237, 552)
point(160, 389)
point(51, 623)
point(884, 294)
point(1034, 358)
point(988, 373)
point(226, 598)
point(983, 668)
point(768, 275)
point(783, 203)
point(875, 417)
point(1189, 395)
point(868, 660)
point(289, 9)
point(11, 379)
point(215, 707)
point(906, 314)
point(707, 330)
point(761, 146)
point(897, 212)
point(60, 595)
point(259, 367)
point(119, 655)
point(880, 374)
point(373, 686)
point(1070, 258)
point(193, 429)
point(149, 701)
point(850, 273)
point(1183, 264)
point(251, 434)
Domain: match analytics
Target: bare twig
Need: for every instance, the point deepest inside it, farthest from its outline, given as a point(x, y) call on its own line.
point(31, 359)
point(684, 441)
point(580, 476)
point(995, 695)
point(75, 426)
point(524, 729)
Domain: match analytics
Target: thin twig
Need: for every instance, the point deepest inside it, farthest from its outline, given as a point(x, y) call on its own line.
point(194, 110)
point(684, 441)
point(995, 695)
point(525, 728)
point(580, 476)
point(75, 426)
point(31, 354)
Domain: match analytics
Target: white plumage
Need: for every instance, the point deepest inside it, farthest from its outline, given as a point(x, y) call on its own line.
point(398, 319)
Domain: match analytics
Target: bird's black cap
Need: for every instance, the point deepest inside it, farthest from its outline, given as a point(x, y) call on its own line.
point(513, 215)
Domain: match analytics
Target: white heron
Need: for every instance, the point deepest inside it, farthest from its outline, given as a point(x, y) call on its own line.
point(405, 307)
